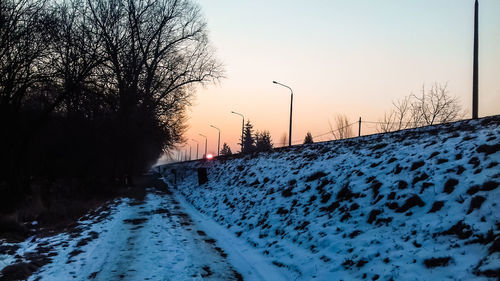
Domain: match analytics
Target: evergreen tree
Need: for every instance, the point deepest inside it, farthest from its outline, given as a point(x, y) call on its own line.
point(263, 141)
point(248, 140)
point(308, 139)
point(226, 150)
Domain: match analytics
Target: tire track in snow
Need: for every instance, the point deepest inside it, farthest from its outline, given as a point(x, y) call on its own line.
point(149, 240)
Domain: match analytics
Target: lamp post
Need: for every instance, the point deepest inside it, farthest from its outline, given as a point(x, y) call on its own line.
point(291, 107)
point(218, 140)
point(242, 127)
point(205, 155)
point(196, 147)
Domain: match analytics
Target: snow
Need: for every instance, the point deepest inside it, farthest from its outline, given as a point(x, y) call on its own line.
point(413, 205)
point(309, 232)
point(247, 260)
point(150, 240)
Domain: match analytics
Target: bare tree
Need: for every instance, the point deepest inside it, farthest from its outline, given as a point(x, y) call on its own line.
point(397, 119)
point(284, 139)
point(155, 51)
point(22, 51)
point(437, 106)
point(431, 107)
point(341, 128)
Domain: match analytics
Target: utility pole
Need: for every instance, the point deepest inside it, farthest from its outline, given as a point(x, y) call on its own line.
point(359, 127)
point(205, 155)
point(475, 73)
point(242, 127)
point(196, 148)
point(218, 140)
point(291, 109)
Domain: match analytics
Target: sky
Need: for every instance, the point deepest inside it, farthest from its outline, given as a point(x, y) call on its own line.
point(339, 57)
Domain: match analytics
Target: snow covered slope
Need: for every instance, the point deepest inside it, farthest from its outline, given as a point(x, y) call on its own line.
point(420, 204)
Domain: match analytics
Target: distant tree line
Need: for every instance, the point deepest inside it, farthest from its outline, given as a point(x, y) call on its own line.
point(255, 142)
point(95, 89)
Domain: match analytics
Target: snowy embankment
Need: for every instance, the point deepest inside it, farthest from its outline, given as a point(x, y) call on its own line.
point(420, 204)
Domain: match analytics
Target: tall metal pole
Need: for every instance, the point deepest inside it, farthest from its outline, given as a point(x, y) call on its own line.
point(359, 127)
point(196, 148)
point(291, 109)
point(218, 140)
point(190, 153)
point(242, 127)
point(475, 74)
point(205, 155)
point(290, 129)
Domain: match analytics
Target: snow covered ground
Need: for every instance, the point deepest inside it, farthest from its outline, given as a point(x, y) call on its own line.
point(133, 240)
point(420, 204)
point(414, 205)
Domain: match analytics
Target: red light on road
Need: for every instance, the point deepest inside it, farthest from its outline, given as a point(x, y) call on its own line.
point(210, 156)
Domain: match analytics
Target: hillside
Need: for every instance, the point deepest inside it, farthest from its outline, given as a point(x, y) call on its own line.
point(419, 204)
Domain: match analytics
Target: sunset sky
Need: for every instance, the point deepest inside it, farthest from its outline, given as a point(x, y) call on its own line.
point(339, 57)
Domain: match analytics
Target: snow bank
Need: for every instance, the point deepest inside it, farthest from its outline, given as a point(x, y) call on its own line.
point(419, 204)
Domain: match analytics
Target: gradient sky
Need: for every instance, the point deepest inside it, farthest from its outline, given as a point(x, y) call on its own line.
point(340, 57)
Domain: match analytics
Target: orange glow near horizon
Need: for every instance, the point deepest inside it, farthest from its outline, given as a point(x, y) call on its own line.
point(339, 57)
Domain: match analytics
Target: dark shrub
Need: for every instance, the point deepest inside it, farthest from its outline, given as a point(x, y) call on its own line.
point(373, 215)
point(460, 229)
point(348, 263)
point(473, 190)
point(435, 262)
point(402, 184)
point(435, 153)
point(489, 185)
point(398, 169)
point(316, 176)
point(425, 185)
point(420, 178)
point(361, 263)
point(495, 247)
point(474, 161)
point(345, 193)
point(411, 202)
point(416, 165)
point(330, 208)
point(488, 149)
point(449, 186)
point(287, 192)
point(375, 188)
point(442, 160)
point(436, 206)
point(476, 203)
point(282, 211)
point(325, 197)
point(354, 233)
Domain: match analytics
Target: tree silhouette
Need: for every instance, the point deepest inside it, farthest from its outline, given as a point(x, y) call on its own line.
point(248, 139)
point(101, 84)
point(263, 141)
point(308, 139)
point(341, 130)
point(226, 150)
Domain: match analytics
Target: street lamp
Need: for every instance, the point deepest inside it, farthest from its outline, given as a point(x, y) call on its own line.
point(197, 143)
point(291, 107)
point(205, 155)
point(242, 127)
point(218, 140)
